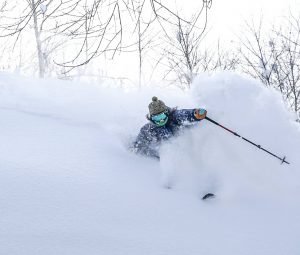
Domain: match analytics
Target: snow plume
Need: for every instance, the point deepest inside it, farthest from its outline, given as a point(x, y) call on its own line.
point(69, 185)
point(227, 163)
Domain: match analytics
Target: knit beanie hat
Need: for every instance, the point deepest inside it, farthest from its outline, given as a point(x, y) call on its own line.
point(156, 106)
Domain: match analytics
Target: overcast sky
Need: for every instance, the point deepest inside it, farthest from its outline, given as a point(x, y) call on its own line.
point(227, 16)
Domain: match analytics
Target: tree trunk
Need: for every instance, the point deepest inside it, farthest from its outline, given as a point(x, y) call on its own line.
point(38, 41)
point(140, 47)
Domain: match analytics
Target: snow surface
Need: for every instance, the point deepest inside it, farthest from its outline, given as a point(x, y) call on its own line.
point(69, 185)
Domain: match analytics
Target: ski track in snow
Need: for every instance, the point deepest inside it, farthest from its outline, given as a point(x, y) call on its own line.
point(70, 186)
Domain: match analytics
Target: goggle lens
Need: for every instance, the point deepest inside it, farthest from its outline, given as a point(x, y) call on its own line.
point(160, 119)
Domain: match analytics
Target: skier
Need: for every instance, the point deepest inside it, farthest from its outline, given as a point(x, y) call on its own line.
point(164, 123)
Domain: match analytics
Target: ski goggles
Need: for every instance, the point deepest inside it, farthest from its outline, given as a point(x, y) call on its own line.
point(160, 119)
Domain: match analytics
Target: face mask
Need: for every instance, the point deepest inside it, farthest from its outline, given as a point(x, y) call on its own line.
point(160, 119)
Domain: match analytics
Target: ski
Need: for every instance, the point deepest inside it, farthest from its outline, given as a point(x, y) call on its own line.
point(208, 196)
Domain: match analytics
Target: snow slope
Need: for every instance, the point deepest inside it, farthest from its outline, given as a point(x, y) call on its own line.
point(68, 184)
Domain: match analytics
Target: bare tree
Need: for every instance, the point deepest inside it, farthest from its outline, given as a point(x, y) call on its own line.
point(288, 67)
point(3, 6)
point(274, 58)
point(109, 22)
point(259, 53)
point(216, 58)
point(144, 36)
point(88, 29)
point(40, 15)
point(186, 55)
point(182, 52)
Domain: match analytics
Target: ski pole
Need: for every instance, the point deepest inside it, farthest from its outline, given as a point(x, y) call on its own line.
point(245, 139)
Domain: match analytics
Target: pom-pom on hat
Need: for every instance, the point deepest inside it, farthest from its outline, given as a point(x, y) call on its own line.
point(156, 106)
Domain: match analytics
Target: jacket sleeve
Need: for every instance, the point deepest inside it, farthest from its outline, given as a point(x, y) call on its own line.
point(142, 144)
point(183, 116)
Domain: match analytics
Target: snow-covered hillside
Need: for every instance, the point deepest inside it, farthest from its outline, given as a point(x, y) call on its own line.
point(69, 185)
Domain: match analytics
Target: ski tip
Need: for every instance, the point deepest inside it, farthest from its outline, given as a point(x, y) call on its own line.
point(208, 196)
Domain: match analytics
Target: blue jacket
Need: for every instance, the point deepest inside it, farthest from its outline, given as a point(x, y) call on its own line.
point(150, 137)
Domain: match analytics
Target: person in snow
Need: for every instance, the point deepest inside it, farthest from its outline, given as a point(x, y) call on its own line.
point(164, 123)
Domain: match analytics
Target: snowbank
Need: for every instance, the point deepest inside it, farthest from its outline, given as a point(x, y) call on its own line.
point(70, 186)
